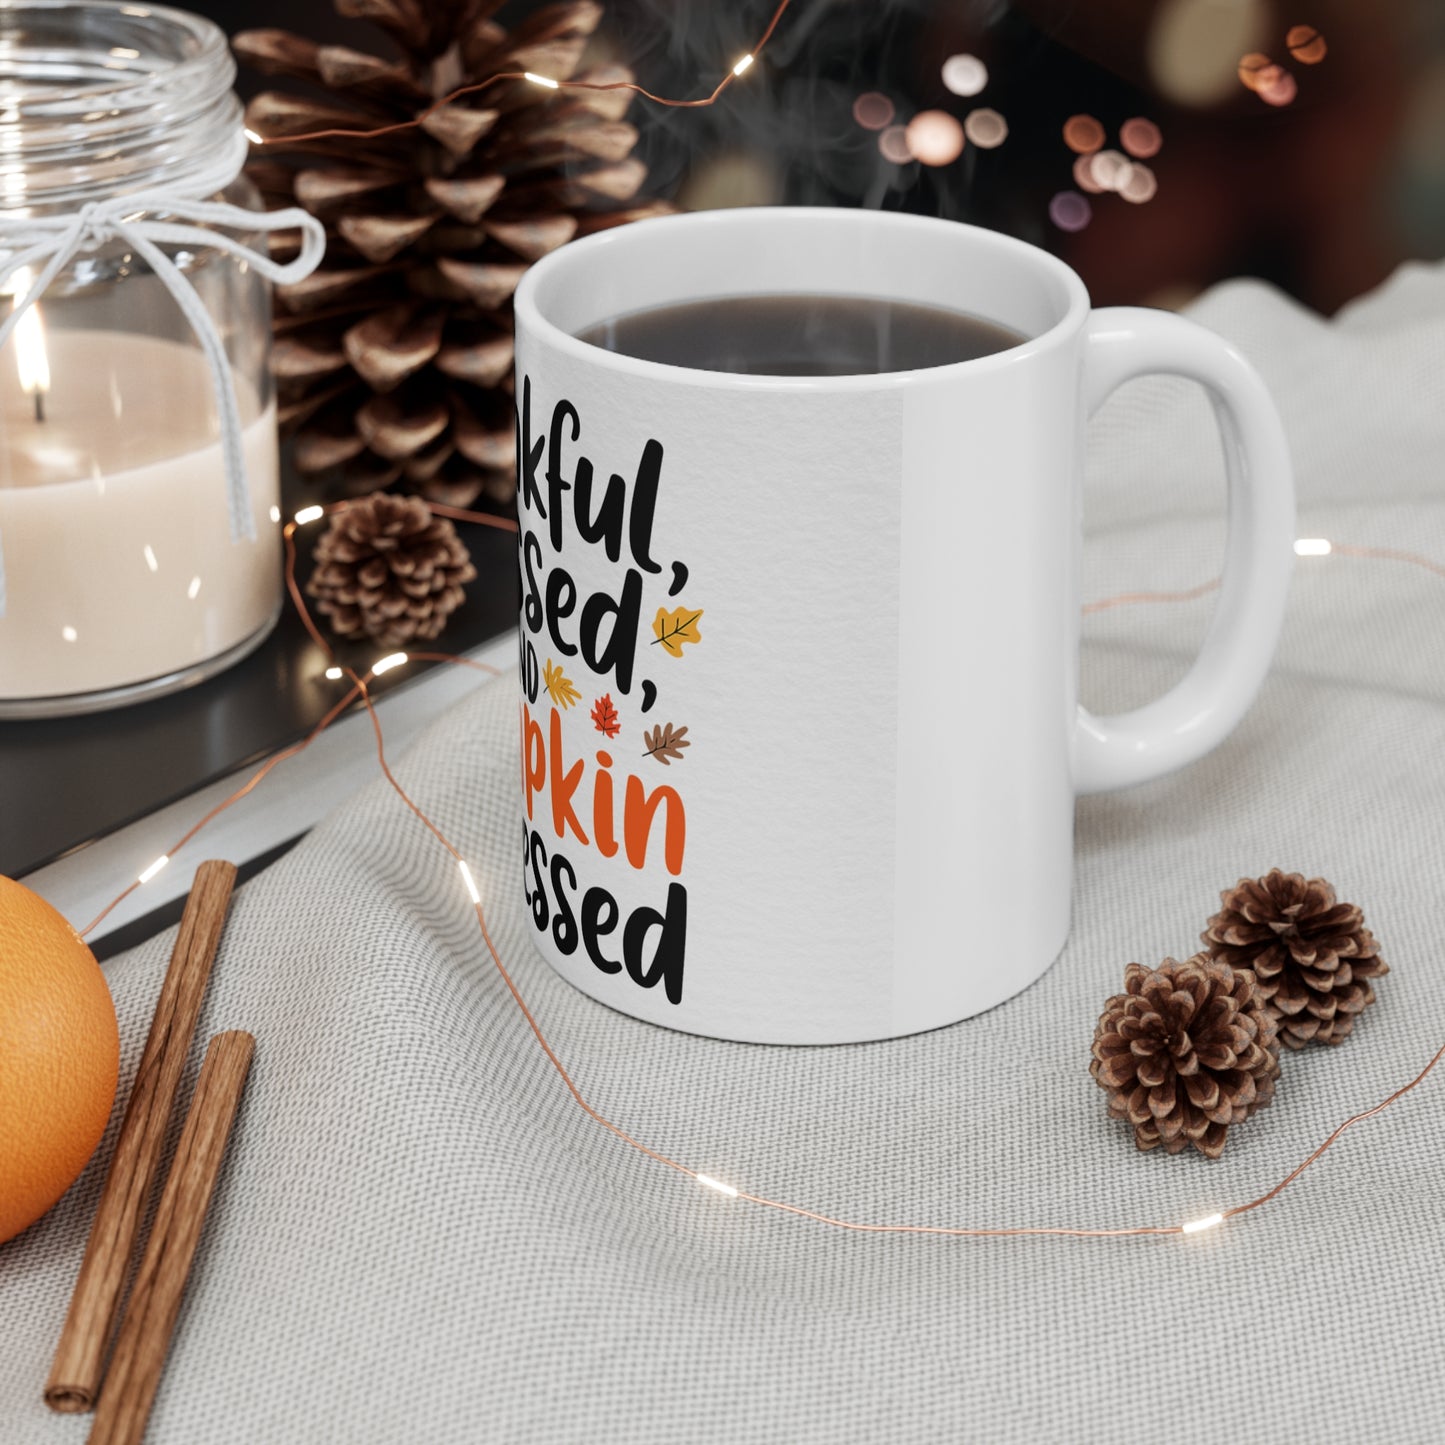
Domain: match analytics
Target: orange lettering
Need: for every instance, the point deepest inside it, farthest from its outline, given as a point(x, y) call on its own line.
point(564, 784)
point(637, 812)
point(602, 825)
point(534, 756)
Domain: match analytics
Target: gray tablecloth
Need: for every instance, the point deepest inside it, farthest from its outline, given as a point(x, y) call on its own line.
point(418, 1236)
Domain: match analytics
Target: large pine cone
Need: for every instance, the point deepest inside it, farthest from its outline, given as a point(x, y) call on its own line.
point(1313, 957)
point(1185, 1051)
point(394, 360)
point(388, 570)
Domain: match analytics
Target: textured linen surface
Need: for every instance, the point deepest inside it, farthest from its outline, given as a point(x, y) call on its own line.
point(419, 1237)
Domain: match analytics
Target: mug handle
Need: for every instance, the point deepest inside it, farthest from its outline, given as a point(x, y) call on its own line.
point(1202, 709)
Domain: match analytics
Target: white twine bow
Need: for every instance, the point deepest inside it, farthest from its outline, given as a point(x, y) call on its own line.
point(52, 242)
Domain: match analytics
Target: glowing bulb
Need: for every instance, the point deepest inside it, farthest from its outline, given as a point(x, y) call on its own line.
point(31, 360)
point(309, 514)
point(385, 664)
point(155, 868)
point(742, 65)
point(1313, 547)
point(934, 137)
point(709, 1182)
point(256, 140)
point(964, 74)
point(541, 80)
point(333, 673)
point(1196, 1225)
point(471, 883)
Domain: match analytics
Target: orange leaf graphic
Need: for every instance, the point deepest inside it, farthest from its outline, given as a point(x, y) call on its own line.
point(604, 715)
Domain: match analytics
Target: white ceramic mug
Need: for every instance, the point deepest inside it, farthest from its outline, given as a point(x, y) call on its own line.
point(860, 597)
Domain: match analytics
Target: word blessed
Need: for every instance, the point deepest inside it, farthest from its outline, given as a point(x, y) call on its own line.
point(555, 786)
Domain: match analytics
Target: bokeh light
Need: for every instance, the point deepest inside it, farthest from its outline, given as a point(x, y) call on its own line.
point(1084, 175)
point(1070, 211)
point(934, 137)
point(1278, 88)
point(1083, 134)
point(873, 111)
point(893, 142)
point(1140, 137)
point(1140, 184)
point(1194, 46)
point(1110, 170)
point(985, 128)
point(965, 74)
point(1252, 66)
point(1306, 44)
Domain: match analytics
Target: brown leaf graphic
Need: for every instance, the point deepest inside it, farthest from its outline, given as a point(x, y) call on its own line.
point(665, 742)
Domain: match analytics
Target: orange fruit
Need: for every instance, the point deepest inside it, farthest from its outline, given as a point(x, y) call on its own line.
point(59, 1056)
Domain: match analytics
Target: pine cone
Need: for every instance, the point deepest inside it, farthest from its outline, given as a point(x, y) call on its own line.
point(388, 570)
point(1313, 957)
point(394, 360)
point(1185, 1051)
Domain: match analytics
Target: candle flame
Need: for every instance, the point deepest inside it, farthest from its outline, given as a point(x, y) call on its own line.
point(31, 359)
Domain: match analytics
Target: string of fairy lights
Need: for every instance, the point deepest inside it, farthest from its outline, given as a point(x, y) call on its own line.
point(359, 690)
point(931, 140)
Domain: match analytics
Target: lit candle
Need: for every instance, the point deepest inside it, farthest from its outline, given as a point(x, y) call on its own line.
point(31, 359)
point(113, 517)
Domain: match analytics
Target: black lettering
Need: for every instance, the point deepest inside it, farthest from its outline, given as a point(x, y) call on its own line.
point(644, 504)
point(667, 957)
point(564, 411)
point(616, 652)
point(538, 899)
point(595, 923)
point(532, 600)
point(564, 926)
point(527, 667)
point(561, 601)
point(529, 457)
point(606, 526)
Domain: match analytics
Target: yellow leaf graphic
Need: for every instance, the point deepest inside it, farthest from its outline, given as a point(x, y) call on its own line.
point(672, 629)
point(559, 688)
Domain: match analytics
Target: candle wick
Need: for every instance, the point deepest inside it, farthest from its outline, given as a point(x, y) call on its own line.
point(39, 404)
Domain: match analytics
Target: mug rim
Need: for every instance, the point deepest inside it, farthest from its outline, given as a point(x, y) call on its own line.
point(529, 313)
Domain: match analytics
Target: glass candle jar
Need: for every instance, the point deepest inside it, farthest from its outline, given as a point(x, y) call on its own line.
point(130, 567)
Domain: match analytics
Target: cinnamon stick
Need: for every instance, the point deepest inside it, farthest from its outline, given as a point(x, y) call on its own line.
point(155, 1298)
point(79, 1362)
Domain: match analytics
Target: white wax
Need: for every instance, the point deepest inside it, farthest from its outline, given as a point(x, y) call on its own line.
point(113, 518)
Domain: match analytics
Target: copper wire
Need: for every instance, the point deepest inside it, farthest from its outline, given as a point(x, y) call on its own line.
point(359, 689)
point(344, 133)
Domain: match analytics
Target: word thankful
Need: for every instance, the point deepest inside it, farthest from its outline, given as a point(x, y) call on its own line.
point(555, 787)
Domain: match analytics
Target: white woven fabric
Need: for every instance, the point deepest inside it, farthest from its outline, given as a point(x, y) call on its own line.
point(419, 1237)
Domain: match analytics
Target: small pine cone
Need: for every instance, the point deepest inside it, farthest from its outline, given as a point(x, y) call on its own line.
point(1185, 1051)
point(1312, 956)
point(389, 570)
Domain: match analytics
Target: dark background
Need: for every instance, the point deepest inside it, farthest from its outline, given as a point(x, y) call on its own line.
point(1323, 196)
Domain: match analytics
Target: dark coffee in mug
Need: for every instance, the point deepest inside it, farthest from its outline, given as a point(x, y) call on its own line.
point(801, 335)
